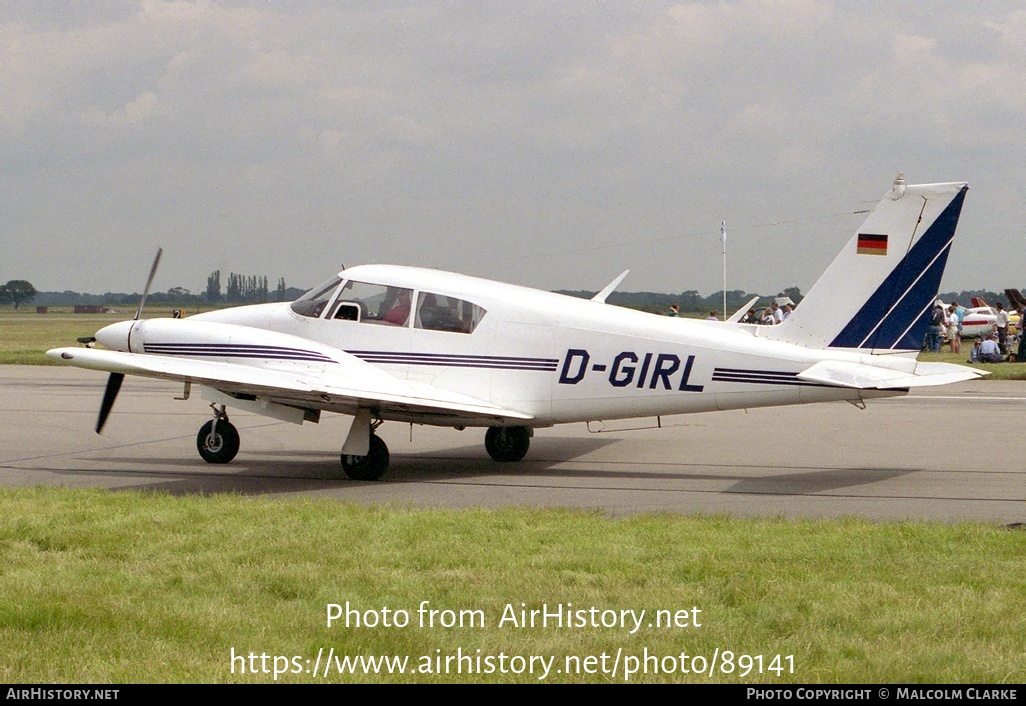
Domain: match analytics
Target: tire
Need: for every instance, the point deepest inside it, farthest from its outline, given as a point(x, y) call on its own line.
point(507, 444)
point(369, 467)
point(223, 447)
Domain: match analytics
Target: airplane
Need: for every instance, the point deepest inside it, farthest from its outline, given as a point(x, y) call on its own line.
point(981, 319)
point(387, 343)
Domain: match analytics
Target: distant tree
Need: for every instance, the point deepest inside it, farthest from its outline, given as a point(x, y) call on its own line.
point(793, 293)
point(17, 292)
point(691, 300)
point(280, 293)
point(214, 287)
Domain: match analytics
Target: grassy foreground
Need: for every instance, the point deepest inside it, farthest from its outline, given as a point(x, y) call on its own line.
point(133, 587)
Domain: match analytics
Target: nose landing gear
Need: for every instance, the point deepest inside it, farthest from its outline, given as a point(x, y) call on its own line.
point(218, 439)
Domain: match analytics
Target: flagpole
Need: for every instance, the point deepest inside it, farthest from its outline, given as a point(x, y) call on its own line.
point(723, 237)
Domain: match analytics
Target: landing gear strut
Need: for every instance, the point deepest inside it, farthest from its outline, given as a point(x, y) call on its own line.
point(218, 439)
point(507, 443)
point(369, 467)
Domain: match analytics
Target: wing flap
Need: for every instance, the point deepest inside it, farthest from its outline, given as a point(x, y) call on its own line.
point(357, 383)
point(860, 376)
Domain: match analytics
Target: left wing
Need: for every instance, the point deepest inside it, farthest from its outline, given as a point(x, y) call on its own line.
point(349, 385)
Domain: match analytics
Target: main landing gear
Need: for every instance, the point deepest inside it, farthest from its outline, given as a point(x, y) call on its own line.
point(218, 439)
point(507, 443)
point(369, 467)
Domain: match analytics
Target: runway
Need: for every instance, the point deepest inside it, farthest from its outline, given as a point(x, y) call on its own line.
point(947, 453)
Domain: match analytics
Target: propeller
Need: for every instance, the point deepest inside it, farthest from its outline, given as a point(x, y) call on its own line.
point(113, 385)
point(114, 381)
point(149, 281)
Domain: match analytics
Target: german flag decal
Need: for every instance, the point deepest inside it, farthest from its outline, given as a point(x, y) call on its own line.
point(871, 244)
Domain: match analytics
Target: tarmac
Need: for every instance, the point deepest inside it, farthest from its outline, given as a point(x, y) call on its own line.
point(945, 453)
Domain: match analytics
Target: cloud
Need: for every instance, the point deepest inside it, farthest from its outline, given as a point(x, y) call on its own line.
point(534, 125)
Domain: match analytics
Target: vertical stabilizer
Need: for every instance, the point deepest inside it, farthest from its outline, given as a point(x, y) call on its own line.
point(877, 293)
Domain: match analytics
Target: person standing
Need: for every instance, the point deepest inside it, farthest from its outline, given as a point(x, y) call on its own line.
point(674, 310)
point(933, 329)
point(960, 313)
point(1002, 326)
point(954, 335)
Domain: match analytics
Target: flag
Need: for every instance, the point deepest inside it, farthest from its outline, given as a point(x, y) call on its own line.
point(871, 244)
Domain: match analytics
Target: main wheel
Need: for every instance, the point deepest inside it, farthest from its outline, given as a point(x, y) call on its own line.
point(369, 467)
point(507, 443)
point(222, 445)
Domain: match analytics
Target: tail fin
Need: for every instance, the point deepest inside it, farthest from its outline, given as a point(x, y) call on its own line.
point(1015, 299)
point(877, 293)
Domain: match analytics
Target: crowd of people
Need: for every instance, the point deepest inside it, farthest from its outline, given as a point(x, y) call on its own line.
point(994, 347)
point(945, 326)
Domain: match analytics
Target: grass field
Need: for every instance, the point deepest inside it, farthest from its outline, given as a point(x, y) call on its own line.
point(102, 586)
point(25, 336)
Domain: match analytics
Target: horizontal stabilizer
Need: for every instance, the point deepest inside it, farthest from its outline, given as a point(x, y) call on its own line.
point(860, 376)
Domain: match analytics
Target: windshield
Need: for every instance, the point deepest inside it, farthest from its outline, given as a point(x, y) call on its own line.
point(374, 304)
point(312, 303)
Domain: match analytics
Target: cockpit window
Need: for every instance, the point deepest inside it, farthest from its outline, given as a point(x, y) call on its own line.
point(438, 312)
point(374, 304)
point(312, 303)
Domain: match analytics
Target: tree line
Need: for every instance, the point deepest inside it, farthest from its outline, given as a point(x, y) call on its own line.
point(690, 301)
point(244, 289)
point(255, 289)
point(241, 289)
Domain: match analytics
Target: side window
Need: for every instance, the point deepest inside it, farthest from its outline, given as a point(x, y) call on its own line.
point(373, 304)
point(312, 303)
point(438, 312)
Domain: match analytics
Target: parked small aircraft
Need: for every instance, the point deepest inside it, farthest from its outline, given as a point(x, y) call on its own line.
point(981, 319)
point(389, 343)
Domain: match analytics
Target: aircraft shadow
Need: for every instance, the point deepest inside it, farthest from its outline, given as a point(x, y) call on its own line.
point(811, 482)
point(265, 472)
point(281, 472)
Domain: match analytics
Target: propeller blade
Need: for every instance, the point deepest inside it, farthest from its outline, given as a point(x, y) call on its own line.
point(109, 395)
point(146, 291)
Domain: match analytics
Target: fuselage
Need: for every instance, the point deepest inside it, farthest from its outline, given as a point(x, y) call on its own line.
point(559, 358)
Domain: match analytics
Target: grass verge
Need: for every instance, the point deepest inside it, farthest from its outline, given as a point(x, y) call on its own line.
point(134, 587)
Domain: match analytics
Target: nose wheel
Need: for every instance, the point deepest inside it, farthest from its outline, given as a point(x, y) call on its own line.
point(218, 439)
point(369, 467)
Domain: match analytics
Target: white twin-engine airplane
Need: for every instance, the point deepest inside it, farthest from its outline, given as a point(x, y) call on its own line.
point(389, 343)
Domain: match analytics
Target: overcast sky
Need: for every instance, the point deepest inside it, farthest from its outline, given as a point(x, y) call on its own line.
point(551, 144)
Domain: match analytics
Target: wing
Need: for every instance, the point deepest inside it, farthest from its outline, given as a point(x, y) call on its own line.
point(349, 385)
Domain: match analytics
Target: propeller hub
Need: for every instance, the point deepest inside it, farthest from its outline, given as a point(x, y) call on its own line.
point(116, 336)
